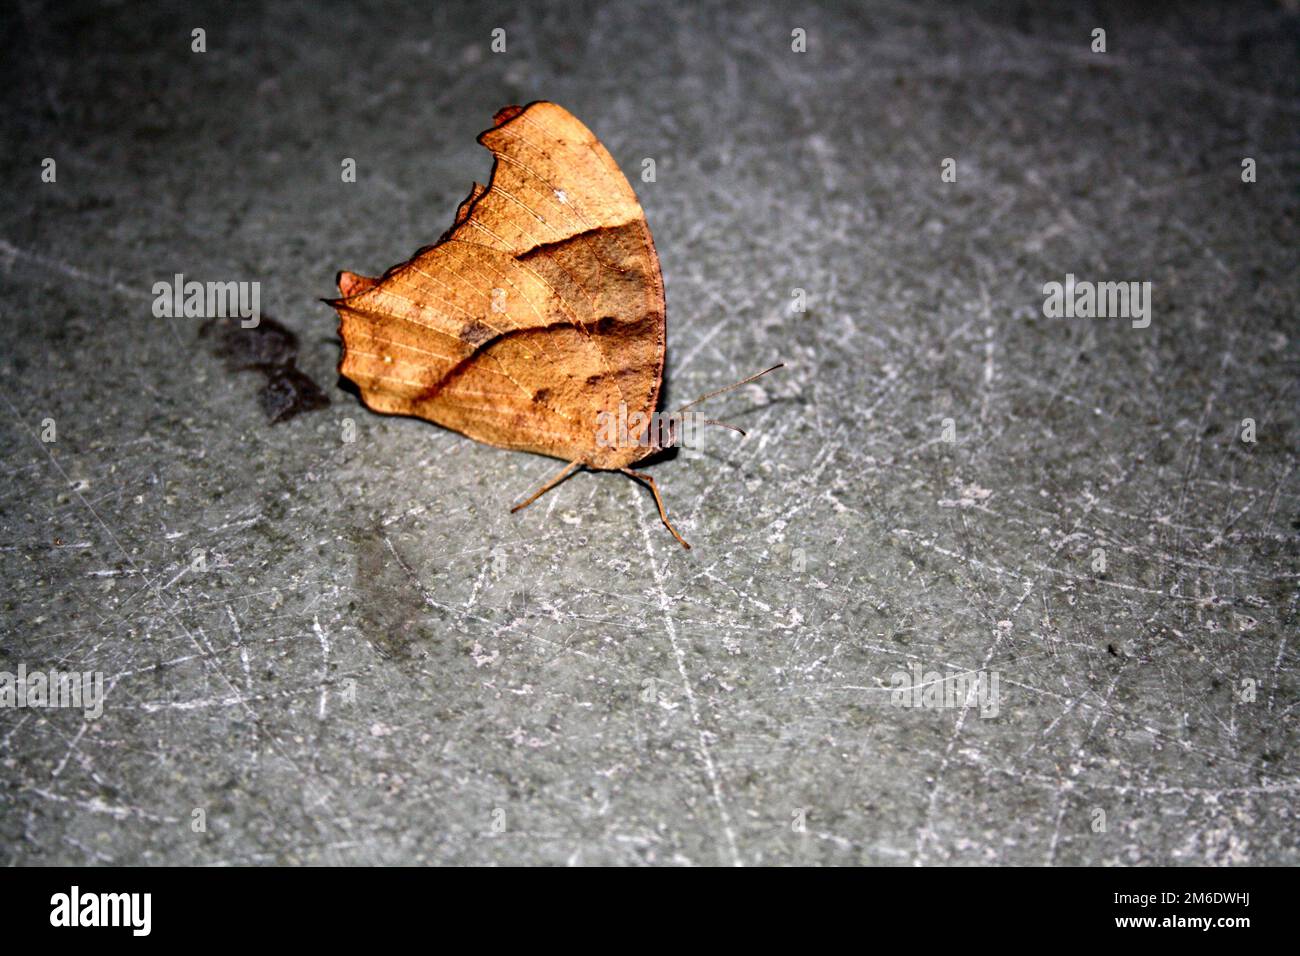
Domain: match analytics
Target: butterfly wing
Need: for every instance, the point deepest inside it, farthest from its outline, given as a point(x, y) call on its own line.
point(539, 309)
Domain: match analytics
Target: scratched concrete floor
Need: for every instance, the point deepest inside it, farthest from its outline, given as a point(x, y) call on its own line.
point(380, 664)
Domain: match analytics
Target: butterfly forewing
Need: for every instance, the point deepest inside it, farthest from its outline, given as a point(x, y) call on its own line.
point(542, 306)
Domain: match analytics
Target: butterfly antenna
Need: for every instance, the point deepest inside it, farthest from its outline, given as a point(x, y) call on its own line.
point(728, 388)
point(734, 428)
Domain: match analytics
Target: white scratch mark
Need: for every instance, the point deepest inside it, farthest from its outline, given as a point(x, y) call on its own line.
point(324, 666)
point(706, 756)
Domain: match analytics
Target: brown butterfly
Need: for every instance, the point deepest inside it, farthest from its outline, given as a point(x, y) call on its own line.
point(537, 315)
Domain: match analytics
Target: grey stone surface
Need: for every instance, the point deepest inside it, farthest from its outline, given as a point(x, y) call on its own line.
point(380, 664)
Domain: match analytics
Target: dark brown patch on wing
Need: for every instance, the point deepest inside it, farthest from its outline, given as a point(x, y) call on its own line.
point(476, 333)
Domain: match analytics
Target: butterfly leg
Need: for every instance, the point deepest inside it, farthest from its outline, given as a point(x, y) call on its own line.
point(663, 515)
point(569, 469)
